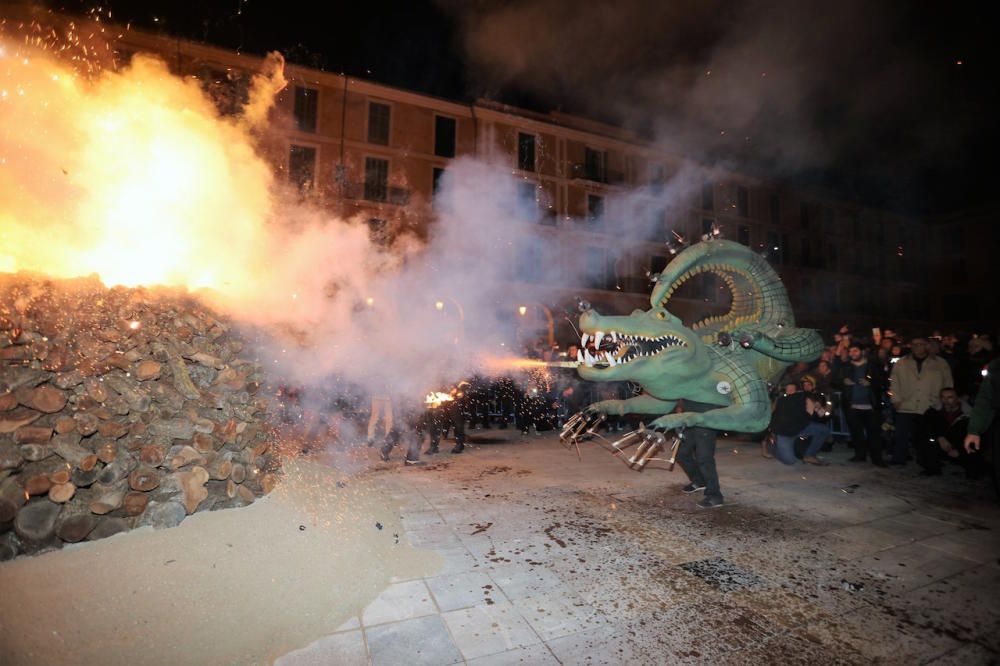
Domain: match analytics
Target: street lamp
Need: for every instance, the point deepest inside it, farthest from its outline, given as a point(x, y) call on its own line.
point(370, 301)
point(439, 306)
point(523, 310)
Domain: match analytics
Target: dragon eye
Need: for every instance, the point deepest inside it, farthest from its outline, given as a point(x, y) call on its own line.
point(661, 315)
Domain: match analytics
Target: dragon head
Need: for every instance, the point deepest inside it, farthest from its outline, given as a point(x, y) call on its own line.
point(652, 348)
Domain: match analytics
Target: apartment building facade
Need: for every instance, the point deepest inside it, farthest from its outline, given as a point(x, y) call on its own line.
point(608, 206)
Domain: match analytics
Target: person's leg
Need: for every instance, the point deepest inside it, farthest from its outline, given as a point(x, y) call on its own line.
point(390, 441)
point(873, 434)
point(434, 430)
point(784, 449)
point(687, 460)
point(413, 450)
point(373, 419)
point(928, 450)
point(460, 428)
point(818, 432)
point(704, 439)
point(904, 434)
point(387, 408)
point(855, 424)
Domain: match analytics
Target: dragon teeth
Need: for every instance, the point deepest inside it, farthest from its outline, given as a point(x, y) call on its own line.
point(598, 337)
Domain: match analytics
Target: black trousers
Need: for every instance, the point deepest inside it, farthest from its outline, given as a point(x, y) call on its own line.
point(866, 432)
point(696, 456)
point(411, 439)
point(444, 419)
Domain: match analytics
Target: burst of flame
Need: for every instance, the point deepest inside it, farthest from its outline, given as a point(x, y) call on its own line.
point(131, 175)
point(435, 399)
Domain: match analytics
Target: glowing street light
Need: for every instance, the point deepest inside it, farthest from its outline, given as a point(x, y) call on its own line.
point(439, 305)
point(523, 310)
point(370, 301)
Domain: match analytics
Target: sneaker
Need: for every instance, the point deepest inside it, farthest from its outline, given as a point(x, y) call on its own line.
point(458, 448)
point(431, 451)
point(691, 488)
point(710, 503)
point(813, 460)
point(384, 454)
point(414, 462)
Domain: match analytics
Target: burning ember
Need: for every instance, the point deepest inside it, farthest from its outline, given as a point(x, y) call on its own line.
point(435, 399)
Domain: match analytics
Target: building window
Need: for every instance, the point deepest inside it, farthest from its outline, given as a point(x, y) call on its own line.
point(378, 230)
point(302, 166)
point(775, 209)
point(378, 123)
point(525, 151)
point(444, 136)
point(436, 186)
point(708, 196)
point(806, 253)
point(527, 198)
point(376, 179)
point(744, 235)
point(595, 208)
point(804, 216)
point(773, 247)
point(786, 249)
point(595, 165)
point(742, 201)
point(305, 109)
point(706, 226)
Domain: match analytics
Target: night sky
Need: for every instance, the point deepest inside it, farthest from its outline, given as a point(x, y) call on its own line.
point(888, 103)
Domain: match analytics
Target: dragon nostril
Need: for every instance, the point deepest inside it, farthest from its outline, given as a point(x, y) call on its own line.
point(583, 306)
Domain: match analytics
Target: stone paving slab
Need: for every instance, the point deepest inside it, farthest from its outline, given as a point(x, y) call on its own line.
point(489, 629)
point(422, 641)
point(399, 601)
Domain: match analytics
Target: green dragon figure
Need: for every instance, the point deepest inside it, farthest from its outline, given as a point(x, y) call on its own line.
point(725, 360)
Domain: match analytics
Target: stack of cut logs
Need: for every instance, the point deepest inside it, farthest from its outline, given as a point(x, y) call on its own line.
point(121, 408)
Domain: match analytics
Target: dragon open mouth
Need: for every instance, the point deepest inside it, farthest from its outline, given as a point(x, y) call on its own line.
point(616, 348)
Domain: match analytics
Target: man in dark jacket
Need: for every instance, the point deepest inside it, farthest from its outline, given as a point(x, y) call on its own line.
point(862, 384)
point(947, 428)
point(793, 418)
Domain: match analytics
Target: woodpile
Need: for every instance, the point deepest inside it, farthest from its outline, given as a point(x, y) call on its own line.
point(121, 408)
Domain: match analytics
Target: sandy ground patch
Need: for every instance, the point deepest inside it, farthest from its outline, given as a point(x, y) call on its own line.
point(241, 586)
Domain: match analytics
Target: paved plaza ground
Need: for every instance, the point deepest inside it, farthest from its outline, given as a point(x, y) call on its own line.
point(547, 560)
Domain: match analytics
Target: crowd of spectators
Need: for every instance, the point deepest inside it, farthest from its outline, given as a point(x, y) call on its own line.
point(895, 399)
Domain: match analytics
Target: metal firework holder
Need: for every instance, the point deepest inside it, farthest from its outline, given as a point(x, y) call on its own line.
point(647, 443)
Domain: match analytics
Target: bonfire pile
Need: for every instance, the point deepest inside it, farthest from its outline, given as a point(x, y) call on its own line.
point(121, 408)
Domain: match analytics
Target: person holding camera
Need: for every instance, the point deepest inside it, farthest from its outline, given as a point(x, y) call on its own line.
point(799, 414)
